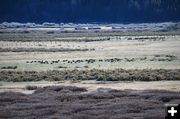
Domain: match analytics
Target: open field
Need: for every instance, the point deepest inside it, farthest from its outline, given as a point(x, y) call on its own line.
point(88, 75)
point(41, 52)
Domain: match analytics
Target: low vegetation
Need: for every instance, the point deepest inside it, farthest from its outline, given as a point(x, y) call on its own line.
point(60, 102)
point(61, 67)
point(94, 74)
point(25, 36)
point(9, 67)
point(29, 87)
point(79, 39)
point(40, 50)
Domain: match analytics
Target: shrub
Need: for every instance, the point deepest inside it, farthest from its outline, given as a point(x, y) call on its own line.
point(29, 87)
point(99, 75)
point(62, 67)
point(9, 67)
point(86, 66)
point(41, 50)
point(67, 102)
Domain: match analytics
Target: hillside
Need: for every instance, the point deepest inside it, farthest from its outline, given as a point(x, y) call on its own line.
point(105, 11)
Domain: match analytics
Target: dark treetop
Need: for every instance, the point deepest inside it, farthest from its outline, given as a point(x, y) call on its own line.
point(89, 11)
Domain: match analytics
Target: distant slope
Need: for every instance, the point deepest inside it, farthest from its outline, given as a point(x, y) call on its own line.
point(123, 11)
point(173, 27)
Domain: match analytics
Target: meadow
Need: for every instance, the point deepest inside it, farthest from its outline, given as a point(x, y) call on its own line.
point(67, 51)
point(45, 74)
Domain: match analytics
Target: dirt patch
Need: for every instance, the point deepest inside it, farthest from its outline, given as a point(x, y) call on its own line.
point(61, 102)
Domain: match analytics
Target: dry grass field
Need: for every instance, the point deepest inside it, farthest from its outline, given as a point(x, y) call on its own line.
point(47, 75)
point(42, 52)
